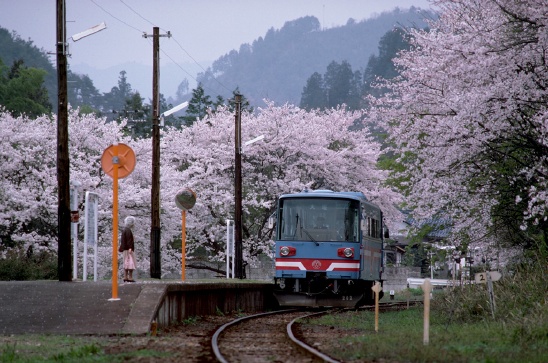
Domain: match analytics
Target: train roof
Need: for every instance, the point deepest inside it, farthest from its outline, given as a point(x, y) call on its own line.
point(325, 193)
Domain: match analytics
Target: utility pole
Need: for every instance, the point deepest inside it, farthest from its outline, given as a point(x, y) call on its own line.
point(155, 256)
point(64, 259)
point(238, 250)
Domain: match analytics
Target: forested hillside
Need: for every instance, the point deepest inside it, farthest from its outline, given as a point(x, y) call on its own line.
point(13, 49)
point(277, 66)
point(28, 84)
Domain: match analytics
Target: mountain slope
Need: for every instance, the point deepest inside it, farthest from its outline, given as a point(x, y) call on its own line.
point(277, 66)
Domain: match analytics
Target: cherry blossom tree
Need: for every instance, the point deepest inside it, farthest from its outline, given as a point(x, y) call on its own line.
point(300, 150)
point(468, 120)
point(28, 195)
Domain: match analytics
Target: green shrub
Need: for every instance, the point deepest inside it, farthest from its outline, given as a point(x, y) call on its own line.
point(521, 298)
point(19, 265)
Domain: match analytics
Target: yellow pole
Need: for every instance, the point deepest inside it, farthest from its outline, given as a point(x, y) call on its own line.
point(183, 247)
point(115, 225)
point(376, 288)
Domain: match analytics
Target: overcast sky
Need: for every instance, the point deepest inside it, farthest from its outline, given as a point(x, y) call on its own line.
point(202, 30)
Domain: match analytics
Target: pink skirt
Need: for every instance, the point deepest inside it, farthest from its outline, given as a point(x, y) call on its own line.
point(129, 260)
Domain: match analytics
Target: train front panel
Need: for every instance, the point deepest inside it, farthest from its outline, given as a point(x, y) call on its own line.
point(319, 250)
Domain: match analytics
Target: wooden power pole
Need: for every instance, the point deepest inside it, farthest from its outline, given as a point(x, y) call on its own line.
point(155, 255)
point(64, 258)
point(238, 248)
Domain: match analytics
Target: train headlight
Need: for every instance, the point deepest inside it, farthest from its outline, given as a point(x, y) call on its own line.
point(345, 252)
point(288, 251)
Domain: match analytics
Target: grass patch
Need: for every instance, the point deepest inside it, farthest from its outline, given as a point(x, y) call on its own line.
point(462, 326)
point(50, 348)
point(66, 349)
point(400, 338)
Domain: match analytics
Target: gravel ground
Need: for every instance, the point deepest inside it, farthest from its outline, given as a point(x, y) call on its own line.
point(189, 342)
point(192, 342)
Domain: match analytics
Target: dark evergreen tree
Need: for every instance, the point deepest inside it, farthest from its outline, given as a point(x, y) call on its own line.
point(198, 105)
point(342, 85)
point(115, 100)
point(22, 90)
point(13, 48)
point(218, 102)
point(314, 95)
point(138, 116)
point(82, 93)
point(382, 66)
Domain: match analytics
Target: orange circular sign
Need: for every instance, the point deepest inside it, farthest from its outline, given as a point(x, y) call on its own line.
point(120, 154)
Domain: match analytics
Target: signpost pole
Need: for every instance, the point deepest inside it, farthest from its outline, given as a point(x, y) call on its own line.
point(377, 289)
point(183, 246)
point(95, 242)
point(184, 200)
point(90, 232)
point(115, 162)
point(227, 249)
point(488, 277)
point(491, 294)
point(427, 288)
point(86, 226)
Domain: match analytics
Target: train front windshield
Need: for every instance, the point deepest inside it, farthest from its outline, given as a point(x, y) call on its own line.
point(318, 220)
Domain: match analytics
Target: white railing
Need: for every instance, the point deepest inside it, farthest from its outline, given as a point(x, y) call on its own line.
point(416, 282)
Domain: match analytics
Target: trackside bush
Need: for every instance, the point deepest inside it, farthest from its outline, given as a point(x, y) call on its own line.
point(521, 299)
point(19, 265)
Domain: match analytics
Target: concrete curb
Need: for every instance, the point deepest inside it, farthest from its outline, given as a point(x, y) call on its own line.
point(144, 309)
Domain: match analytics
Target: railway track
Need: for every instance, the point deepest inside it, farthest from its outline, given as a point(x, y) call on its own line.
point(270, 337)
point(266, 337)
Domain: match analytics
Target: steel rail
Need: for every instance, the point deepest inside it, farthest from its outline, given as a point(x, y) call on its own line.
point(305, 346)
point(215, 338)
point(289, 328)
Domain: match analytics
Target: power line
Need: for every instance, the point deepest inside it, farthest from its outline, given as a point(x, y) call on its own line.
point(178, 65)
point(199, 65)
point(163, 51)
point(142, 17)
point(180, 46)
point(120, 20)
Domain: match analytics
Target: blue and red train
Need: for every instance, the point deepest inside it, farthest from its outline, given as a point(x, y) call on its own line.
point(328, 249)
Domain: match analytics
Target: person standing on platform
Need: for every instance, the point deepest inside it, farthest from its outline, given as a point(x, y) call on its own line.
point(127, 247)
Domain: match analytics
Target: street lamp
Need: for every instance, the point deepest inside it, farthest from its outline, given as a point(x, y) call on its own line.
point(90, 31)
point(172, 111)
point(252, 141)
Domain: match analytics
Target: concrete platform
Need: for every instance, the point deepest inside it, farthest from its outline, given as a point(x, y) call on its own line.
point(77, 307)
point(53, 307)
